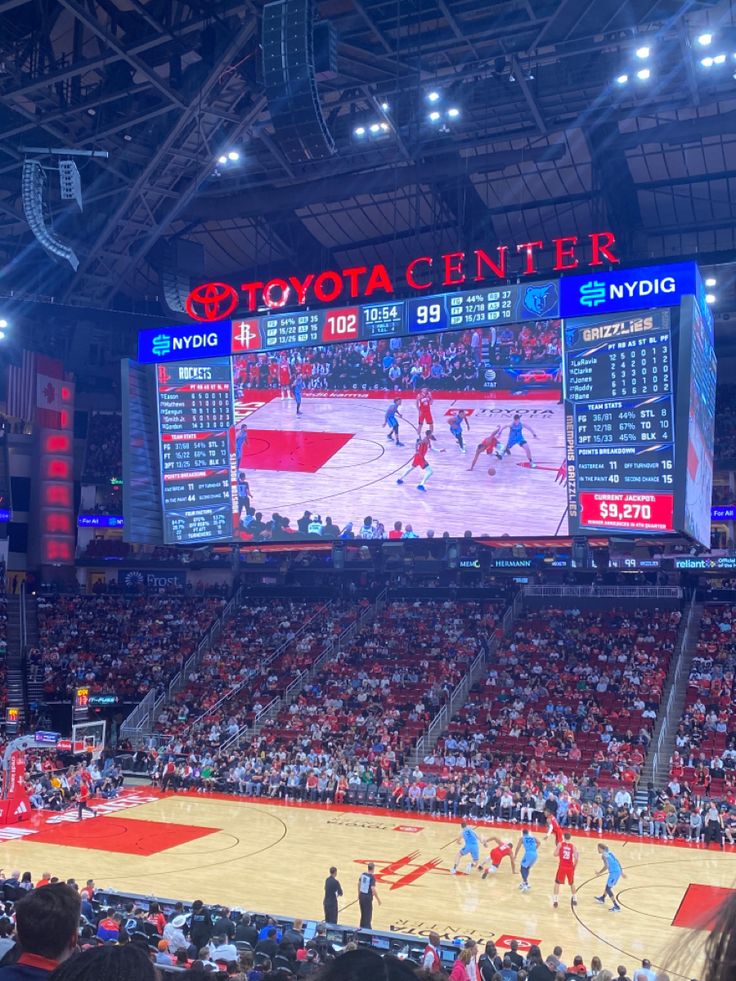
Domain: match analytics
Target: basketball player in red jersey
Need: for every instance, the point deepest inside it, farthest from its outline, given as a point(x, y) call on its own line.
point(424, 406)
point(568, 856)
point(418, 460)
point(489, 445)
point(498, 854)
point(553, 828)
point(83, 796)
point(285, 379)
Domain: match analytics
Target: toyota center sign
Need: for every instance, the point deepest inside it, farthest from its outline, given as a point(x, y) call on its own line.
point(216, 301)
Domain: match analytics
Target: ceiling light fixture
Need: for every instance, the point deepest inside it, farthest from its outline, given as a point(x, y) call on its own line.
point(643, 74)
point(705, 39)
point(642, 52)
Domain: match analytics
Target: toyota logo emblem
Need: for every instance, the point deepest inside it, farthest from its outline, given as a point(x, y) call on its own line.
point(211, 301)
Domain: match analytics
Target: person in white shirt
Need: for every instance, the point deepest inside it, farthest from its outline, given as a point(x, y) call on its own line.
point(174, 933)
point(221, 949)
point(622, 798)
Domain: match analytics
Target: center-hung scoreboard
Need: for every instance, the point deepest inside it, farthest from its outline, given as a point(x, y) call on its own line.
point(635, 369)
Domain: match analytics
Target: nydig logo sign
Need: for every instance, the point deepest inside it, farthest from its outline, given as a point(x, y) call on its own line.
point(627, 289)
point(178, 343)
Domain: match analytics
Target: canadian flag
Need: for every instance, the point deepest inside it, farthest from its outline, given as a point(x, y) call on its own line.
point(48, 393)
point(54, 395)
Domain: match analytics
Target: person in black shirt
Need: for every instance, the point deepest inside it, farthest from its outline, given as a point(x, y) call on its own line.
point(285, 958)
point(516, 959)
point(246, 932)
point(366, 894)
point(200, 925)
point(489, 963)
point(269, 946)
point(333, 889)
point(223, 925)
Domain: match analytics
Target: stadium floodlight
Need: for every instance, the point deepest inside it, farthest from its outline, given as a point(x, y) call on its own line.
point(706, 62)
point(375, 128)
point(622, 79)
point(453, 113)
point(434, 117)
point(359, 131)
point(33, 181)
point(3, 323)
point(643, 52)
point(233, 155)
point(222, 159)
point(719, 59)
point(385, 106)
point(705, 39)
point(433, 96)
point(710, 298)
point(643, 74)
point(710, 281)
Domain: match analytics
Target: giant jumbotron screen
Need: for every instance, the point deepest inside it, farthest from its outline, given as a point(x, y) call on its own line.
point(428, 420)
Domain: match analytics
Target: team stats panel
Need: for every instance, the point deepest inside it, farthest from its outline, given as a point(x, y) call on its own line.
point(195, 414)
point(620, 422)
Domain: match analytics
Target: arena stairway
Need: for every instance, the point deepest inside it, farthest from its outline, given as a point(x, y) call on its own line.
point(34, 684)
point(440, 723)
point(292, 692)
point(15, 649)
point(656, 765)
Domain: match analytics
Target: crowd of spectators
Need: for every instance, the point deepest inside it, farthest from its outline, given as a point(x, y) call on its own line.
point(725, 435)
point(703, 764)
point(52, 786)
point(574, 690)
point(103, 456)
point(265, 646)
point(63, 931)
point(127, 643)
point(441, 362)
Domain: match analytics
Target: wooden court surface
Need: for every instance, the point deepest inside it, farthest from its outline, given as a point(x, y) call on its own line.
point(359, 477)
point(274, 858)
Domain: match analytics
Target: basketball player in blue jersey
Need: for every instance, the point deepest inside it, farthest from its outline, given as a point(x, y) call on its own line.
point(241, 441)
point(612, 865)
point(392, 421)
point(456, 427)
point(470, 845)
point(530, 845)
point(517, 438)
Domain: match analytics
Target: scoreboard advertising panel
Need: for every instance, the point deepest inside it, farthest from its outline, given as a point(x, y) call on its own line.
point(556, 407)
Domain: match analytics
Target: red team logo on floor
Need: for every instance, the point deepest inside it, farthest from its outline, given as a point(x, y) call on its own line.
point(524, 942)
point(404, 871)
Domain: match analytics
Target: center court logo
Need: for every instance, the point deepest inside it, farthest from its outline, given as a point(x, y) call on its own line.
point(593, 294)
point(161, 345)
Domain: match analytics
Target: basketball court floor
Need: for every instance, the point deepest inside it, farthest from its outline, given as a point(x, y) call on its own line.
point(334, 459)
point(272, 857)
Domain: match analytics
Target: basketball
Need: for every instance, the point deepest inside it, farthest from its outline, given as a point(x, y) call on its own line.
point(491, 471)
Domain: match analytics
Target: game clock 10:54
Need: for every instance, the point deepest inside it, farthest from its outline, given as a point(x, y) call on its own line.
point(429, 313)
